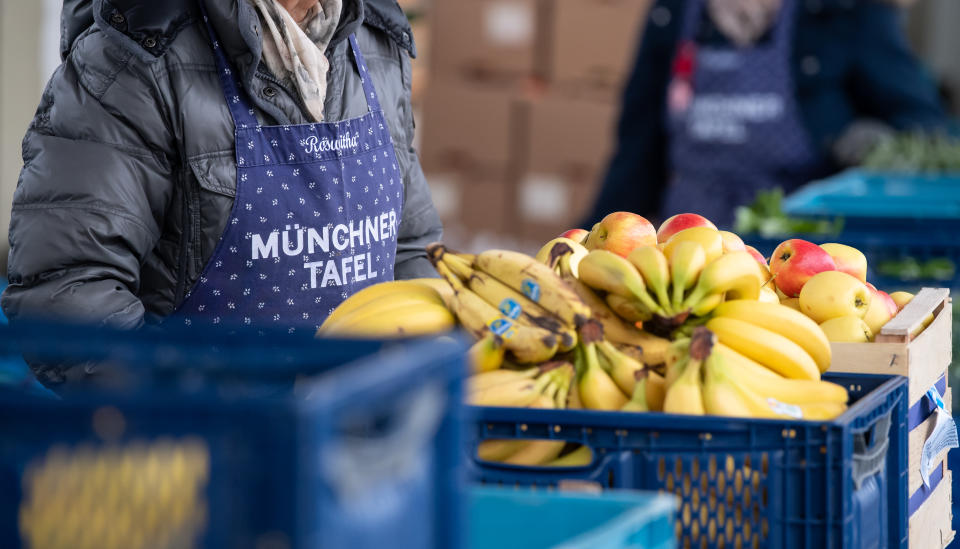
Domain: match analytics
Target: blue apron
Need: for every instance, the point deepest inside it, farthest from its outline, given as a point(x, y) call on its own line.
point(314, 220)
point(734, 123)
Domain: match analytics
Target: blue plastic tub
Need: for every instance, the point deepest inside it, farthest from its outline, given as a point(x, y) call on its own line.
point(232, 442)
point(536, 519)
point(749, 483)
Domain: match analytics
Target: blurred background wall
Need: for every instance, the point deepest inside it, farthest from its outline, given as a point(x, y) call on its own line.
point(516, 107)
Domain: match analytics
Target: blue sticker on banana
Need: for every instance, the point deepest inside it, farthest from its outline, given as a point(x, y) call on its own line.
point(531, 290)
point(510, 308)
point(502, 327)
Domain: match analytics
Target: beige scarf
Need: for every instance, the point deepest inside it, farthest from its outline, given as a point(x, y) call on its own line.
point(743, 21)
point(294, 51)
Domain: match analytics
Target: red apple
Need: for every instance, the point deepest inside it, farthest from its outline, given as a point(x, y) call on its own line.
point(891, 304)
point(576, 235)
point(757, 255)
point(680, 222)
point(621, 233)
point(732, 242)
point(795, 261)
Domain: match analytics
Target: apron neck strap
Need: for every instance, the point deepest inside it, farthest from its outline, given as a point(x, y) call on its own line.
point(241, 107)
point(782, 24)
point(369, 92)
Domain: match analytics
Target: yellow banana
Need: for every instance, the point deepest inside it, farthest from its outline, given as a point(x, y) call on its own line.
point(489, 379)
point(521, 393)
point(728, 397)
point(646, 348)
point(597, 390)
point(537, 282)
point(676, 350)
point(384, 305)
point(707, 238)
point(638, 402)
point(528, 344)
point(573, 397)
point(685, 395)
point(721, 396)
point(511, 303)
point(656, 391)
point(536, 452)
point(486, 354)
point(551, 253)
point(438, 284)
point(653, 266)
point(766, 347)
point(733, 273)
point(785, 321)
point(768, 383)
point(614, 328)
point(408, 321)
point(622, 368)
point(498, 449)
point(580, 457)
point(378, 291)
point(686, 259)
point(607, 271)
point(628, 308)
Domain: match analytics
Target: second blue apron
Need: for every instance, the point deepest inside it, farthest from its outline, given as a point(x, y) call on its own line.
point(734, 123)
point(314, 220)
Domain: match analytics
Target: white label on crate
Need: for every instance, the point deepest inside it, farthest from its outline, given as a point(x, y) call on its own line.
point(544, 198)
point(944, 436)
point(509, 24)
point(785, 409)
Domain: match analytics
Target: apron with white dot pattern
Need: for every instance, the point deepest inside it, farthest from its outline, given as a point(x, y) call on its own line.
point(314, 220)
point(735, 127)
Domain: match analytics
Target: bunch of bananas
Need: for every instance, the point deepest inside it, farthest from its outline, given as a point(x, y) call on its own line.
point(403, 308)
point(663, 285)
point(753, 359)
point(512, 305)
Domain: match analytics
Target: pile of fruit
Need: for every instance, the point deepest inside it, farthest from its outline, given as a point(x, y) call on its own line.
point(686, 319)
point(828, 283)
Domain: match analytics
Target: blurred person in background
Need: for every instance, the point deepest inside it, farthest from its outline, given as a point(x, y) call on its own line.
point(238, 162)
point(729, 97)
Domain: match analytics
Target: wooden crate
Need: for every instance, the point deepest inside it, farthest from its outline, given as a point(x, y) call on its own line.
point(901, 348)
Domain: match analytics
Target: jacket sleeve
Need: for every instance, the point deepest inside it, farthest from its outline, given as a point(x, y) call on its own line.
point(889, 82)
point(420, 223)
point(92, 192)
point(637, 173)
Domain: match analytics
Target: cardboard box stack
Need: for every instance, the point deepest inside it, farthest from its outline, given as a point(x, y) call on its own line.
point(517, 123)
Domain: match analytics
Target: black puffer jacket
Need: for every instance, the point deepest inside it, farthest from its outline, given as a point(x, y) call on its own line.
point(129, 171)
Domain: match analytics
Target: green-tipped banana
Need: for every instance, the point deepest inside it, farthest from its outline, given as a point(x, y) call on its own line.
point(653, 266)
point(622, 368)
point(686, 259)
point(735, 273)
point(607, 271)
point(638, 402)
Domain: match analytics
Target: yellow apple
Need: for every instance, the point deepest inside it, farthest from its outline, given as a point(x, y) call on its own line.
point(847, 329)
point(768, 295)
point(792, 302)
point(732, 242)
point(881, 310)
point(709, 239)
point(901, 299)
point(848, 259)
point(832, 294)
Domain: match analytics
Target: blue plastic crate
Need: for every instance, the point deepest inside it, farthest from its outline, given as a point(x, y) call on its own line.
point(529, 519)
point(887, 216)
point(232, 442)
point(750, 483)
